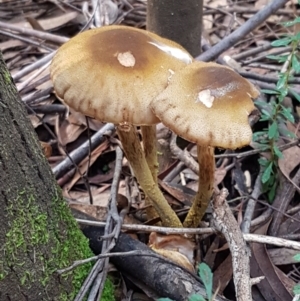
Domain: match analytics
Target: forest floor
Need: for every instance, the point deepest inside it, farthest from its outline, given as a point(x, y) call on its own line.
point(262, 179)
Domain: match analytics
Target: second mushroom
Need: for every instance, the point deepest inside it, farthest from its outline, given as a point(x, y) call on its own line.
point(207, 104)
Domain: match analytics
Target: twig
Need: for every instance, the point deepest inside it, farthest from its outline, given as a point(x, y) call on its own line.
point(225, 222)
point(174, 172)
point(183, 156)
point(262, 57)
point(34, 66)
point(262, 218)
point(272, 240)
point(25, 40)
point(242, 31)
point(189, 231)
point(81, 152)
point(256, 151)
point(97, 276)
point(265, 78)
point(247, 10)
point(35, 33)
point(252, 51)
point(106, 255)
point(113, 225)
point(245, 227)
point(144, 228)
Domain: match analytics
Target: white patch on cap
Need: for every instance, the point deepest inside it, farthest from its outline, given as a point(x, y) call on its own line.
point(173, 51)
point(206, 98)
point(126, 59)
point(171, 74)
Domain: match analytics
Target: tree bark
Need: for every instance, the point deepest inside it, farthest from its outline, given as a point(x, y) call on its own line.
point(38, 234)
point(180, 21)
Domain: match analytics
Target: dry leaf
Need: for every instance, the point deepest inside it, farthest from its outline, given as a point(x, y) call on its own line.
point(290, 160)
point(47, 149)
point(173, 242)
point(273, 287)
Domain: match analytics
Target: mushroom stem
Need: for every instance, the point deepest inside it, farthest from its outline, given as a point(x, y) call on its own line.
point(150, 150)
point(206, 162)
point(136, 157)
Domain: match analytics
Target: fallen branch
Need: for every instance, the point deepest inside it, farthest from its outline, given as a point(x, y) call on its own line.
point(224, 221)
point(162, 277)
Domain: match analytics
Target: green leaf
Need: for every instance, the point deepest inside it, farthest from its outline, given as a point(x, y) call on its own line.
point(277, 152)
point(295, 94)
point(278, 58)
point(268, 91)
point(196, 297)
point(287, 113)
point(164, 299)
point(291, 23)
point(287, 133)
point(281, 42)
point(266, 113)
point(295, 63)
point(263, 161)
point(267, 173)
point(206, 276)
point(261, 104)
point(297, 257)
point(282, 81)
point(272, 192)
point(263, 147)
point(296, 289)
point(273, 130)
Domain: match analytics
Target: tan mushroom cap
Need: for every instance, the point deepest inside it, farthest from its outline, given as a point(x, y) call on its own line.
point(208, 104)
point(113, 72)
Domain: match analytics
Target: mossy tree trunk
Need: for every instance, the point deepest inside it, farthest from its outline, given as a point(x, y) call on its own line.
point(38, 235)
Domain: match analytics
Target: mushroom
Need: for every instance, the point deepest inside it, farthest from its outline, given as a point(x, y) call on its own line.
point(111, 74)
point(207, 104)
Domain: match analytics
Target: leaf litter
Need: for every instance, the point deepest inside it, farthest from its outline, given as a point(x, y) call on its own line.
point(62, 132)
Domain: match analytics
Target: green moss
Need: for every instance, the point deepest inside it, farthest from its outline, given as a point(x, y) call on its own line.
point(7, 77)
point(108, 291)
point(56, 229)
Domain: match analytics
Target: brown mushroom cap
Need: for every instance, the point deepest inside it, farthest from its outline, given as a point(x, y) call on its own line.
point(112, 73)
point(208, 104)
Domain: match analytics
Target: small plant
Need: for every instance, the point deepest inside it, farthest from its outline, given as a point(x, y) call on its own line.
point(275, 113)
point(296, 289)
point(206, 276)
